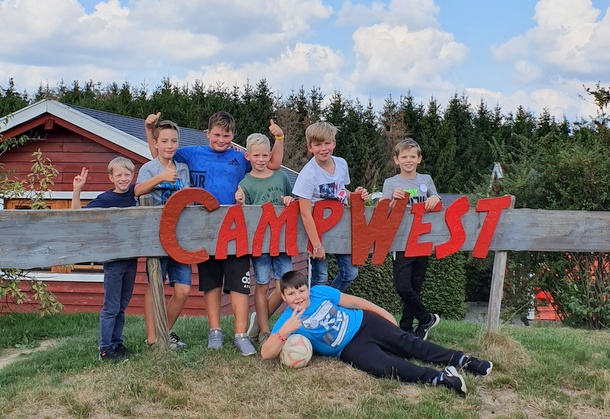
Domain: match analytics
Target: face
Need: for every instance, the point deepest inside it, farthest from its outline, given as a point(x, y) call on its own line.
point(121, 177)
point(407, 160)
point(259, 155)
point(220, 140)
point(167, 143)
point(297, 298)
point(322, 151)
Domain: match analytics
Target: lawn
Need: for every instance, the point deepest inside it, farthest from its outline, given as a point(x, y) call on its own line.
point(539, 372)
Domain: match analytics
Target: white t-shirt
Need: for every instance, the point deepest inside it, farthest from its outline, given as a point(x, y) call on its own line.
point(317, 184)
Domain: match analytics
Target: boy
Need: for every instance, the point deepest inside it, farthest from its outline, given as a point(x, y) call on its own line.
point(260, 186)
point(363, 335)
point(161, 177)
point(119, 275)
point(324, 177)
point(218, 168)
point(409, 272)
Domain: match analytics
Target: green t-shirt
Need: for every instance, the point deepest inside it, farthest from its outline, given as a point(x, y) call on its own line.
point(258, 191)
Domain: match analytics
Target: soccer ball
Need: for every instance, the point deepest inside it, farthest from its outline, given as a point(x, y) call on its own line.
point(297, 351)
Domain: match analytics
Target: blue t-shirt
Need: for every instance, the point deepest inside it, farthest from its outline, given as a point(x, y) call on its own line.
point(111, 199)
point(326, 324)
point(217, 173)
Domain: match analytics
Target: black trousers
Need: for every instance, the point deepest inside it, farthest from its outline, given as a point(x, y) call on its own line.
point(382, 349)
point(409, 275)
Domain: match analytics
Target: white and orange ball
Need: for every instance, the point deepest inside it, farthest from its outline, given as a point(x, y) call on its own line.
point(297, 351)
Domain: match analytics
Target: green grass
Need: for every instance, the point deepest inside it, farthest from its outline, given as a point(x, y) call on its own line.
point(538, 372)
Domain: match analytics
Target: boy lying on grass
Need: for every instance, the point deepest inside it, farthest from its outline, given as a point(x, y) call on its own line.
point(363, 335)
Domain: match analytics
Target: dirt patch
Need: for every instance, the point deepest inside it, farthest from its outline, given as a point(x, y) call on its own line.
point(12, 355)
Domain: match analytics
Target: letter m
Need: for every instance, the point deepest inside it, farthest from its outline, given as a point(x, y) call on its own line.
point(288, 218)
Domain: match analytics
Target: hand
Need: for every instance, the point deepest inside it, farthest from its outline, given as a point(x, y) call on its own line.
point(363, 193)
point(80, 180)
point(275, 130)
point(398, 194)
point(240, 197)
point(431, 202)
point(169, 174)
point(293, 323)
point(287, 200)
point(319, 253)
point(151, 119)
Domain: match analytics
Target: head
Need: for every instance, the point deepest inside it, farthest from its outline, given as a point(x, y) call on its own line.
point(258, 151)
point(321, 140)
point(120, 173)
point(166, 136)
point(407, 156)
point(221, 127)
point(294, 288)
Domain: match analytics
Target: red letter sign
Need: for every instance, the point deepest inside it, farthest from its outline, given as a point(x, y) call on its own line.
point(288, 218)
point(494, 207)
point(419, 228)
point(235, 215)
point(325, 224)
point(457, 234)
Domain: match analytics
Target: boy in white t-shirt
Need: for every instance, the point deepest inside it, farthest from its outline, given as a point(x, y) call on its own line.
point(324, 177)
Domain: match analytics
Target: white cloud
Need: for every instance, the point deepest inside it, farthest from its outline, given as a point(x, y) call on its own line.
point(415, 14)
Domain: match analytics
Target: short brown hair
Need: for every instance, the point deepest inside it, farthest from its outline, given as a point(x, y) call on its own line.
point(319, 132)
point(293, 279)
point(161, 125)
point(223, 120)
point(406, 144)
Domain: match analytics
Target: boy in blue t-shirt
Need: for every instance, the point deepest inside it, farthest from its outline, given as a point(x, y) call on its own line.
point(119, 275)
point(218, 168)
point(161, 177)
point(363, 335)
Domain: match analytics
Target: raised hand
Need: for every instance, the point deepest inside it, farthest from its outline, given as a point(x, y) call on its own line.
point(151, 119)
point(80, 180)
point(240, 197)
point(169, 174)
point(275, 129)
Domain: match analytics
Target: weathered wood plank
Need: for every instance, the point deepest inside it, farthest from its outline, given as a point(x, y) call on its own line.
point(30, 239)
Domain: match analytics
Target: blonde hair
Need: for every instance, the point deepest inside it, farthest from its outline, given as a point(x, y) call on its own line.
point(223, 120)
point(257, 139)
point(161, 125)
point(406, 144)
point(123, 162)
point(319, 132)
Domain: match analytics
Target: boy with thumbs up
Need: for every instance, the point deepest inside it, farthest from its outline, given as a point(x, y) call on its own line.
point(162, 177)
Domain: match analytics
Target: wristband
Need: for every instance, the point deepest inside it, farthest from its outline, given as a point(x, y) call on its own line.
point(279, 138)
point(280, 337)
point(315, 249)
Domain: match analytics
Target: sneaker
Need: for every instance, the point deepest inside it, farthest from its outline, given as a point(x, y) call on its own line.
point(243, 344)
point(122, 350)
point(111, 355)
point(262, 337)
point(174, 340)
point(423, 328)
point(477, 366)
point(215, 339)
point(253, 327)
point(450, 378)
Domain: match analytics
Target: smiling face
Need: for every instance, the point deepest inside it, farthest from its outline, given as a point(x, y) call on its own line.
point(297, 298)
point(220, 138)
point(121, 177)
point(258, 155)
point(407, 160)
point(167, 143)
point(322, 151)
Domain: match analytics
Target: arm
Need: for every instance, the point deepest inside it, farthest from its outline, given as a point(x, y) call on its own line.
point(168, 175)
point(351, 301)
point(273, 346)
point(148, 126)
point(277, 152)
point(359, 191)
point(433, 197)
point(305, 208)
point(77, 185)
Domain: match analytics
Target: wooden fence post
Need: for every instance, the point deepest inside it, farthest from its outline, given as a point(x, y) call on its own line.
point(497, 287)
point(157, 292)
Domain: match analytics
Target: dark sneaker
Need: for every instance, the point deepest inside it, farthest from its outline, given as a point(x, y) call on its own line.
point(450, 378)
point(244, 345)
point(122, 350)
point(215, 339)
point(253, 327)
point(477, 366)
point(111, 355)
point(423, 328)
point(175, 342)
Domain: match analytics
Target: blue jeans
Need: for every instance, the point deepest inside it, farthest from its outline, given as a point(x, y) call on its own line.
point(119, 278)
point(346, 272)
point(267, 266)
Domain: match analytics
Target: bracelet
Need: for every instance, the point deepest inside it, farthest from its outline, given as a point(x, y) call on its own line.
point(280, 337)
point(315, 249)
point(279, 138)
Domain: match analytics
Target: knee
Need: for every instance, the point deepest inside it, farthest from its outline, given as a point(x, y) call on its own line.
point(181, 292)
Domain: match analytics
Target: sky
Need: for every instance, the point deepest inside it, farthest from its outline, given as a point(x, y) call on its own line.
point(532, 53)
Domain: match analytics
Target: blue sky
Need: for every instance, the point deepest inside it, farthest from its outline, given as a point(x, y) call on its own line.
point(534, 53)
